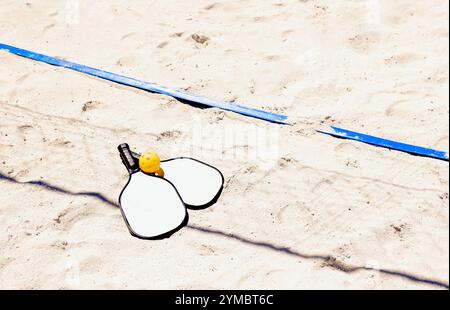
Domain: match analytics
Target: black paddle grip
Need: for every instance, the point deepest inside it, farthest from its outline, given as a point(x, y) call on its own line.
point(127, 158)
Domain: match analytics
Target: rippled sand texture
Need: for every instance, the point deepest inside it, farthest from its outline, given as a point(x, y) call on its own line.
point(299, 210)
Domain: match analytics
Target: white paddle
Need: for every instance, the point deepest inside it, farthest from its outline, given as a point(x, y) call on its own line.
point(150, 205)
point(198, 184)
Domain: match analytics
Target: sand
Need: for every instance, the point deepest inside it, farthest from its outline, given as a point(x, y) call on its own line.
point(299, 210)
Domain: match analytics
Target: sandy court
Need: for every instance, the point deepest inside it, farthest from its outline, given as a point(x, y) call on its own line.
point(299, 210)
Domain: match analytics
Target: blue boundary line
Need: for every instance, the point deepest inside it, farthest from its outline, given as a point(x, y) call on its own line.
point(152, 87)
point(408, 148)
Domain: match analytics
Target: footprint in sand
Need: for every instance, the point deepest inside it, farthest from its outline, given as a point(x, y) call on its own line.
point(177, 35)
point(91, 264)
point(60, 245)
point(24, 128)
point(400, 230)
point(48, 27)
point(393, 108)
point(22, 173)
point(403, 59)
point(364, 43)
point(128, 35)
point(346, 147)
point(287, 213)
point(200, 39)
point(287, 33)
point(128, 61)
point(162, 44)
point(22, 78)
point(259, 19)
point(212, 6)
point(60, 142)
point(402, 108)
point(90, 105)
point(169, 134)
point(69, 217)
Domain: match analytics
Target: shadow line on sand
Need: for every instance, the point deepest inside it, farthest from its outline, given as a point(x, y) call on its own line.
point(328, 260)
point(58, 189)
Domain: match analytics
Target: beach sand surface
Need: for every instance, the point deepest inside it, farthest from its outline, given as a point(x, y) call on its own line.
point(299, 210)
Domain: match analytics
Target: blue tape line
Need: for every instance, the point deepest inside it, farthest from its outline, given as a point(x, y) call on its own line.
point(412, 149)
point(152, 87)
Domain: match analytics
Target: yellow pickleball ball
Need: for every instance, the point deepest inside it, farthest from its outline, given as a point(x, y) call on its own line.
point(149, 162)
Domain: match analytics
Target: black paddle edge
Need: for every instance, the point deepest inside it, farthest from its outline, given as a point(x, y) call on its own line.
point(168, 234)
point(195, 207)
point(158, 237)
point(216, 197)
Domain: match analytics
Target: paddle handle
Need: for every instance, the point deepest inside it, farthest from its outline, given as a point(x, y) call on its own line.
point(127, 158)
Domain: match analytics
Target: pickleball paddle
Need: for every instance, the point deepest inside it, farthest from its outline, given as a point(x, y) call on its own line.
point(150, 205)
point(198, 183)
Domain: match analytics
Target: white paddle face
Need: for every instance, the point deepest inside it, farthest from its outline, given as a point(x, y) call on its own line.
point(151, 206)
point(198, 183)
